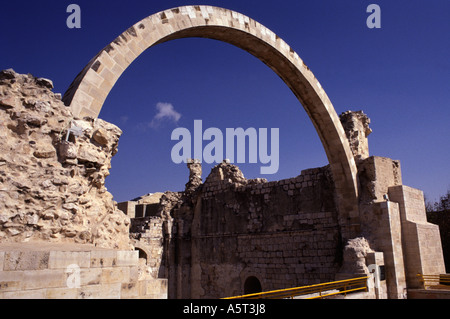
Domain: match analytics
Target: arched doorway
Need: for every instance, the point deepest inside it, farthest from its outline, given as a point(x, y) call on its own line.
point(252, 285)
point(142, 254)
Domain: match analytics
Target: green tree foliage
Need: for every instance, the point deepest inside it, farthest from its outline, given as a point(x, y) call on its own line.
point(439, 214)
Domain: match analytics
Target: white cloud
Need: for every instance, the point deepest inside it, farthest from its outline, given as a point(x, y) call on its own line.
point(124, 119)
point(166, 112)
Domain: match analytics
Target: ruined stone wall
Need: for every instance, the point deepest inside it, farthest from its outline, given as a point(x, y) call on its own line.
point(356, 127)
point(284, 233)
point(209, 239)
point(148, 235)
point(51, 183)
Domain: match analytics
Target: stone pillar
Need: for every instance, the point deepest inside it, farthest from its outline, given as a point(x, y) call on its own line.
point(195, 175)
point(376, 174)
point(389, 240)
point(356, 127)
point(421, 240)
point(376, 266)
point(381, 218)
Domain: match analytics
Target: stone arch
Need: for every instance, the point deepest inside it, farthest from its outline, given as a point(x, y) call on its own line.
point(90, 88)
point(144, 252)
point(250, 278)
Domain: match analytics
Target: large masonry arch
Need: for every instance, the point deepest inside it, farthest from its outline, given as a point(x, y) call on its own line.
point(90, 88)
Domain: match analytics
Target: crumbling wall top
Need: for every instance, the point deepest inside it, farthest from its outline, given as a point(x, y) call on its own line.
point(356, 127)
point(52, 183)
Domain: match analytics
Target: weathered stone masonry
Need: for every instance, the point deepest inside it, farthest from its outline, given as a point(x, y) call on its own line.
point(223, 237)
point(90, 88)
point(279, 232)
point(52, 182)
point(61, 234)
point(211, 239)
point(227, 236)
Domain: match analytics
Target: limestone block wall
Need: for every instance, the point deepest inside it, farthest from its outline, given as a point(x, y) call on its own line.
point(211, 241)
point(149, 237)
point(129, 208)
point(381, 218)
point(74, 272)
point(284, 233)
point(421, 240)
point(388, 239)
point(394, 221)
point(376, 174)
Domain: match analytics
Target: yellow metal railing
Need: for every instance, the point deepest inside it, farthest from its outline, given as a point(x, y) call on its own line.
point(322, 290)
point(435, 280)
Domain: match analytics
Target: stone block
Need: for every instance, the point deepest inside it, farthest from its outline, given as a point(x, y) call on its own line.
point(61, 293)
point(93, 78)
point(129, 208)
point(382, 172)
point(25, 260)
point(142, 287)
point(127, 258)
point(103, 291)
point(106, 60)
point(90, 276)
point(411, 201)
point(11, 280)
point(157, 288)
point(103, 258)
point(24, 294)
point(129, 290)
point(2, 258)
point(423, 251)
point(391, 244)
point(134, 274)
point(115, 274)
point(39, 279)
point(375, 258)
point(62, 259)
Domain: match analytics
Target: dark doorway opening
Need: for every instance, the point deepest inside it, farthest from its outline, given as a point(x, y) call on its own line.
point(142, 254)
point(252, 285)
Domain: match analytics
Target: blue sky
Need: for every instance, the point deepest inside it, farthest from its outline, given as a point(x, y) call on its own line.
point(399, 75)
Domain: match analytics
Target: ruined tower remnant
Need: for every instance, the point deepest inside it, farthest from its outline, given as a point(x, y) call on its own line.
point(356, 126)
point(195, 175)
